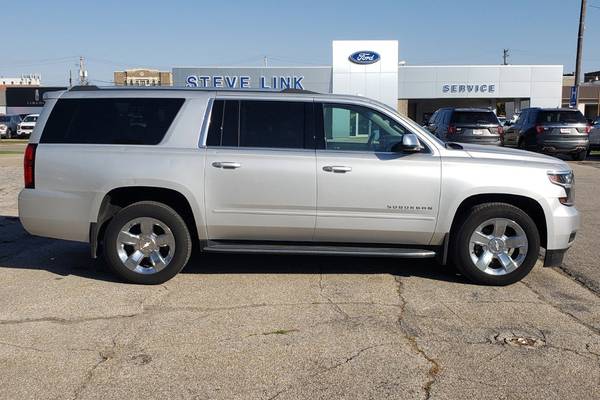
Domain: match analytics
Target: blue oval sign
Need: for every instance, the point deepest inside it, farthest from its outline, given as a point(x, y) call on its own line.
point(364, 57)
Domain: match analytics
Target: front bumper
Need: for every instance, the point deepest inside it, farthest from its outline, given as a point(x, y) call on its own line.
point(24, 132)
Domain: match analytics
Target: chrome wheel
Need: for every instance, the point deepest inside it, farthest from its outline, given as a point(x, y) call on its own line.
point(145, 245)
point(498, 246)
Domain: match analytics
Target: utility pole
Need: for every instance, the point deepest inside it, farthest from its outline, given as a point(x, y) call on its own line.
point(70, 78)
point(83, 74)
point(579, 53)
point(265, 61)
point(505, 56)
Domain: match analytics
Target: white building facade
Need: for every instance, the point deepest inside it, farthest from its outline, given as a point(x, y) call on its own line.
point(371, 68)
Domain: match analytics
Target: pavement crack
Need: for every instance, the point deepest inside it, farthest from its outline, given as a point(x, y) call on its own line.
point(559, 309)
point(352, 357)
point(65, 321)
point(434, 366)
point(581, 279)
point(90, 373)
point(335, 305)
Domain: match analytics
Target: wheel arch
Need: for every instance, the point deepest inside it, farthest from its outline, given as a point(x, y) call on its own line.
point(120, 197)
point(531, 206)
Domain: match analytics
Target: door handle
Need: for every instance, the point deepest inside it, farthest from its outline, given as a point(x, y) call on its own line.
point(340, 169)
point(226, 164)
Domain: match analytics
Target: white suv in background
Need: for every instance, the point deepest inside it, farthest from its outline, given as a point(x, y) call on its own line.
point(26, 126)
point(146, 174)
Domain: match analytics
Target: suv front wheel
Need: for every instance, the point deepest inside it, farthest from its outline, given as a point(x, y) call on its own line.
point(147, 243)
point(497, 244)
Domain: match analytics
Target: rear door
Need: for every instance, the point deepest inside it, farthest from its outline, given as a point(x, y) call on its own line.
point(367, 193)
point(260, 181)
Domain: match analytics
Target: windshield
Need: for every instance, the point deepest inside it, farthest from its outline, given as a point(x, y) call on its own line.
point(474, 117)
point(30, 118)
point(561, 116)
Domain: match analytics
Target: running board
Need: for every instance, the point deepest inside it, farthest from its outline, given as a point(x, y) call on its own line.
point(220, 247)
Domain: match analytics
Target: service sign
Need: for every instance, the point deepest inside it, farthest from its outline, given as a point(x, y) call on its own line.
point(364, 57)
point(469, 88)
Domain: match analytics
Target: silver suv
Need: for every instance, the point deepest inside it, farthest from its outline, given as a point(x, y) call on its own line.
point(144, 175)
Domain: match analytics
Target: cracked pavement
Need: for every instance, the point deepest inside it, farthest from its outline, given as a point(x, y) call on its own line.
point(289, 327)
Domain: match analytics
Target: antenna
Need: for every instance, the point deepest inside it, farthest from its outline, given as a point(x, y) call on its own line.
point(505, 56)
point(83, 74)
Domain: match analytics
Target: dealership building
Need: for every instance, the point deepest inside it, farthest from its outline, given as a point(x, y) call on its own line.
point(372, 68)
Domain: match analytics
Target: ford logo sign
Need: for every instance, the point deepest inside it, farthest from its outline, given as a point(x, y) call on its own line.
point(364, 57)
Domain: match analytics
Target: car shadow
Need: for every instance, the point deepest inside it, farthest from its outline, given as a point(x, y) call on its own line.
point(20, 250)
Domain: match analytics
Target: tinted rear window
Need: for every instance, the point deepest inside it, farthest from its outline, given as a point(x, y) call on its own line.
point(256, 123)
point(474, 117)
point(561, 116)
point(110, 121)
point(4, 119)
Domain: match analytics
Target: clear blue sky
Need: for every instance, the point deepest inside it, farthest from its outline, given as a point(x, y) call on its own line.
point(48, 36)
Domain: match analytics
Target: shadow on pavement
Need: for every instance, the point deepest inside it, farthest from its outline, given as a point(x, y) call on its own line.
point(20, 250)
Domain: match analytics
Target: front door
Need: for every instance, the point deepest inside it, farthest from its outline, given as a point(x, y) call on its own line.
point(367, 191)
point(260, 181)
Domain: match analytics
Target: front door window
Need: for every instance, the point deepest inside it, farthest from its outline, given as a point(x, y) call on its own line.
point(356, 128)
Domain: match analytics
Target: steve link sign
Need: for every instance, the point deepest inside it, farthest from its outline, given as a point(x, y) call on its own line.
point(244, 82)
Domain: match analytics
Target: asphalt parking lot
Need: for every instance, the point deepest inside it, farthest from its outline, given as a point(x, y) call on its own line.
point(287, 327)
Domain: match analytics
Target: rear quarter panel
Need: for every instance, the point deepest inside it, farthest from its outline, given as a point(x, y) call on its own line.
point(72, 179)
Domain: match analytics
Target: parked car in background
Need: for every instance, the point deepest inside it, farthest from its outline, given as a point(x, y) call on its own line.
point(550, 130)
point(595, 136)
point(466, 125)
point(156, 172)
point(26, 126)
point(8, 125)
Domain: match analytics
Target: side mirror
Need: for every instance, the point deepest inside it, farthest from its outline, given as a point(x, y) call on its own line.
point(410, 144)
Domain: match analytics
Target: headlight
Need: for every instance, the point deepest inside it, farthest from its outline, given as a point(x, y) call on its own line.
point(566, 180)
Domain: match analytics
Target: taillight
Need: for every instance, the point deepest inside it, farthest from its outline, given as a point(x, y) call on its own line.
point(451, 130)
point(29, 166)
point(539, 129)
point(588, 128)
point(500, 131)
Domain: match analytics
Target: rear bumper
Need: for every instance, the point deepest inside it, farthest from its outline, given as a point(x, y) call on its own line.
point(55, 214)
point(492, 141)
point(562, 146)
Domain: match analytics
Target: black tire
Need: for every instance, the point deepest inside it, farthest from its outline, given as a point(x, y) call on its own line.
point(477, 216)
point(580, 155)
point(162, 213)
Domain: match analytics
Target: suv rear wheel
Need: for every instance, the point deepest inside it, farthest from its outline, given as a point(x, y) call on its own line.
point(147, 242)
point(497, 244)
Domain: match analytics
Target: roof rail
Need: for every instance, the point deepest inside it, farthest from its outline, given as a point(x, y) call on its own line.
point(83, 88)
point(290, 90)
